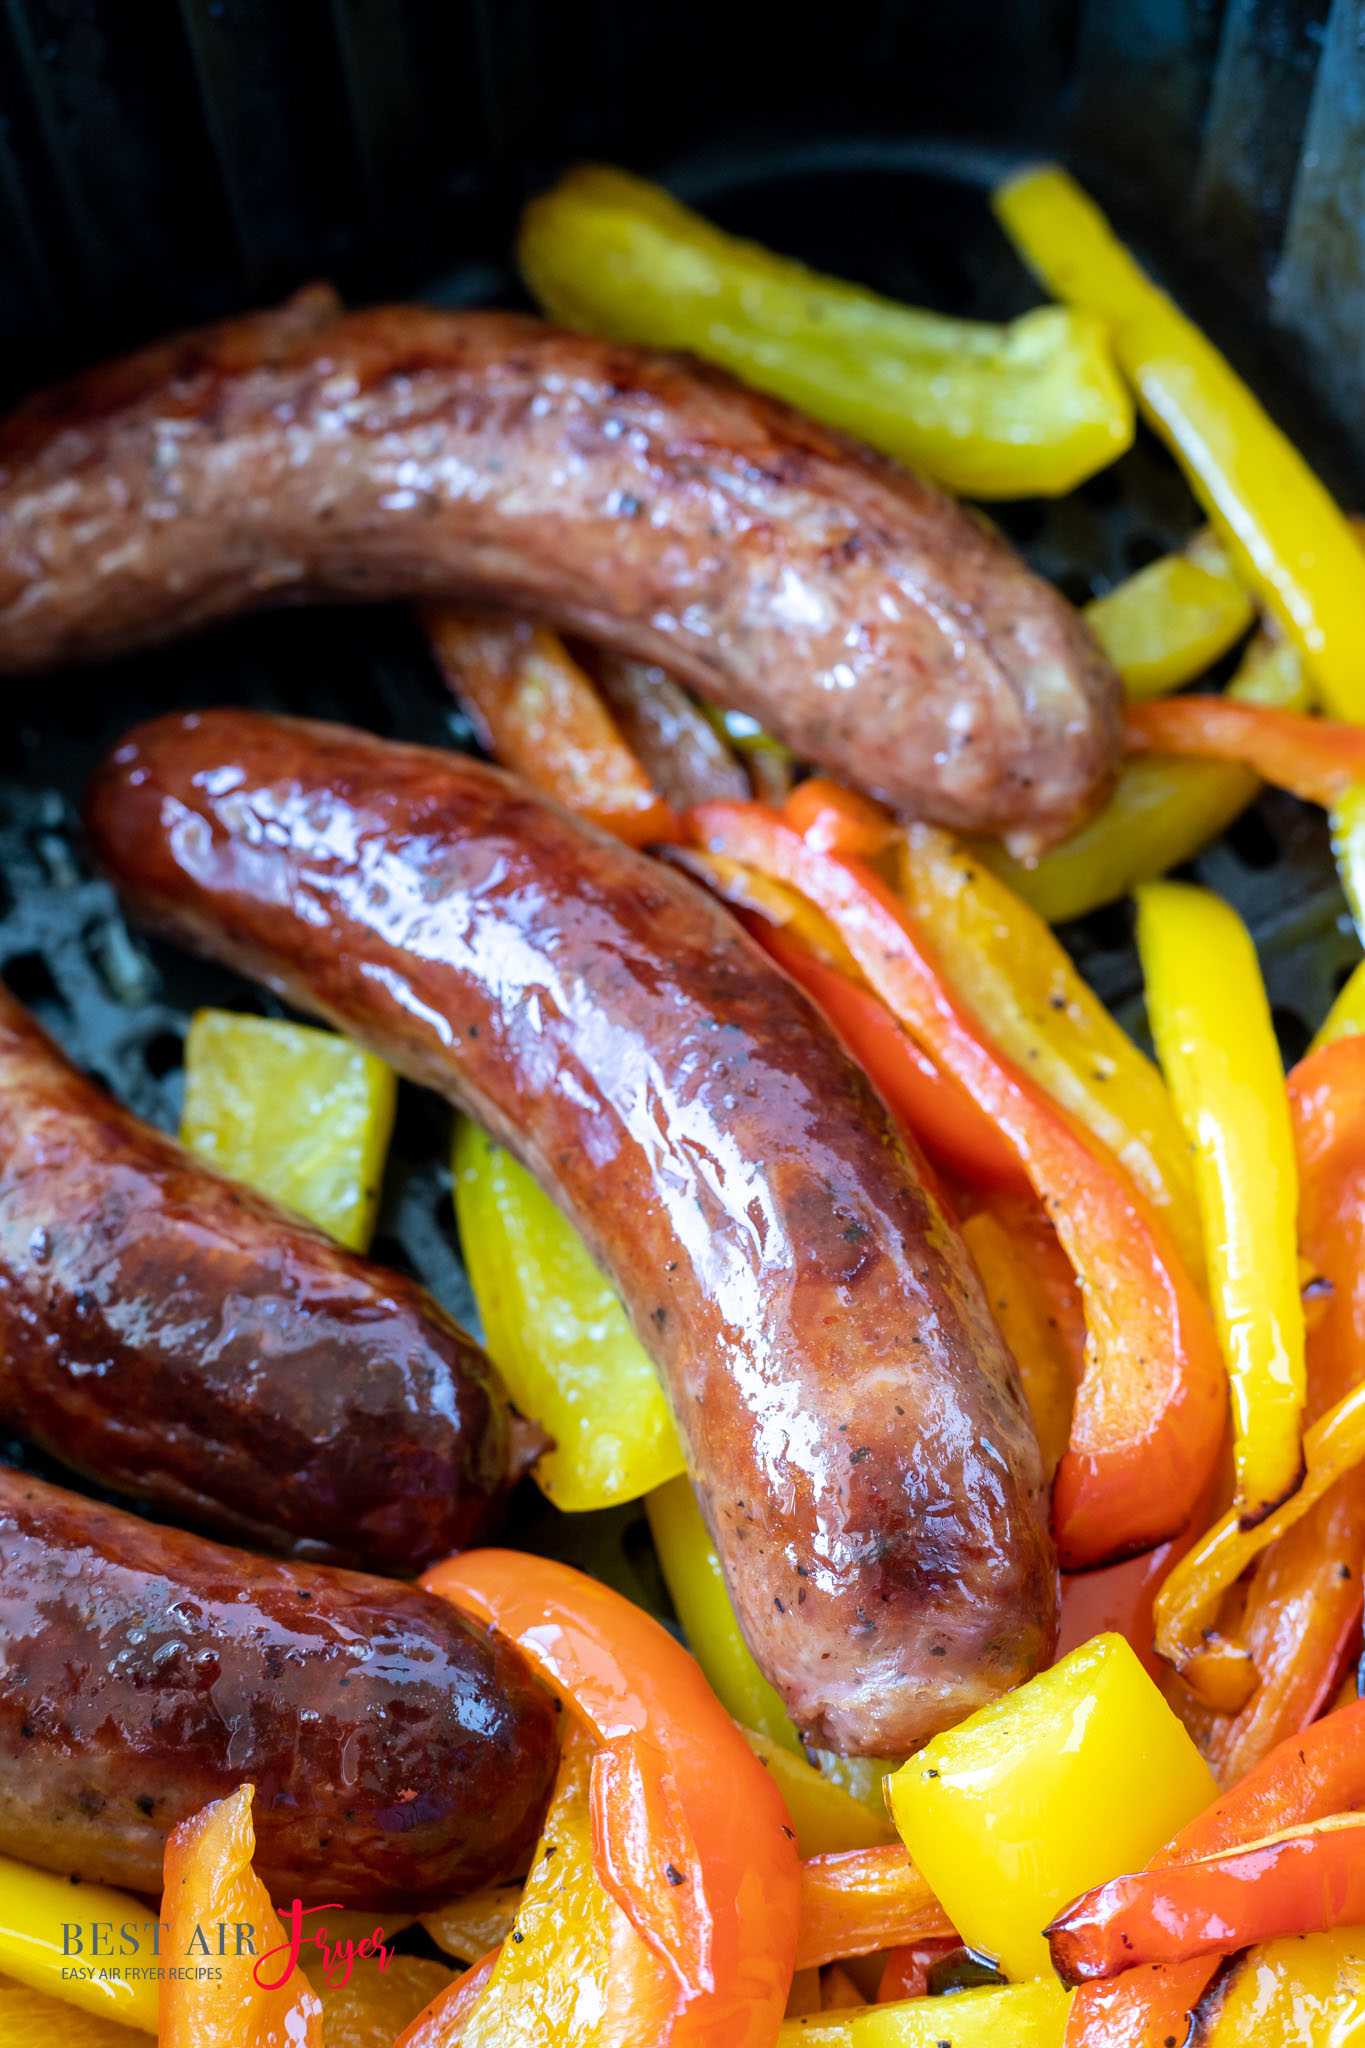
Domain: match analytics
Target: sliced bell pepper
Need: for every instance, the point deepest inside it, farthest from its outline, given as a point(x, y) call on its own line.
point(442, 2024)
point(470, 1927)
point(1162, 812)
point(1300, 1880)
point(862, 1900)
point(1017, 979)
point(1286, 536)
point(766, 906)
point(559, 1336)
point(1317, 759)
point(905, 1973)
point(1346, 1018)
point(1303, 1992)
point(679, 1780)
point(1173, 619)
point(995, 412)
point(30, 2019)
point(244, 2001)
point(685, 755)
point(1347, 822)
point(1210, 1021)
point(39, 1927)
point(378, 1999)
point(1013, 2016)
point(827, 1819)
point(1149, 1411)
point(534, 709)
point(1015, 1264)
point(301, 1115)
point(1081, 1772)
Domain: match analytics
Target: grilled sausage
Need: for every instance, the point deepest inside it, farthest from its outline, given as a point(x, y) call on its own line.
point(853, 1421)
point(399, 1754)
point(642, 501)
point(179, 1338)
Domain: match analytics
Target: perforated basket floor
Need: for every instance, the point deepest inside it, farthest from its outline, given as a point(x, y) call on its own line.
point(120, 1005)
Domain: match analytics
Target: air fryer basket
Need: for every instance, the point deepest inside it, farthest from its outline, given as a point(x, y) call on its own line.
point(905, 214)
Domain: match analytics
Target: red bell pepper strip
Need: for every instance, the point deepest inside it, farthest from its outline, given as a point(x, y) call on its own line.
point(905, 1973)
point(1301, 1880)
point(856, 1901)
point(1309, 1777)
point(674, 1777)
point(1315, 758)
point(1149, 1412)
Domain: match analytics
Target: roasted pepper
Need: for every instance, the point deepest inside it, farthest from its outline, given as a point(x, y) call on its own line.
point(35, 1908)
point(302, 1115)
point(31, 2019)
point(1210, 1021)
point(534, 709)
point(1019, 982)
point(471, 1927)
point(675, 1792)
point(374, 1999)
point(1347, 821)
point(1346, 1018)
point(995, 412)
point(260, 1999)
point(827, 1819)
point(1014, 2016)
point(1285, 535)
point(559, 1336)
point(1081, 1772)
point(1162, 811)
point(1173, 619)
point(1317, 759)
point(442, 2023)
point(1149, 1410)
point(860, 1900)
point(1303, 1992)
point(1034, 1298)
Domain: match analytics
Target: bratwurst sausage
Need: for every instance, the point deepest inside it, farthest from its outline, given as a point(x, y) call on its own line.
point(399, 1754)
point(179, 1338)
point(640, 500)
point(853, 1420)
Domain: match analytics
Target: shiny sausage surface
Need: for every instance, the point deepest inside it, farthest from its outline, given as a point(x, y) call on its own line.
point(399, 1755)
point(181, 1339)
point(644, 501)
point(853, 1421)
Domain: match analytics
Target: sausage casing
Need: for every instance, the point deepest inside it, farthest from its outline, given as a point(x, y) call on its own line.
point(180, 1339)
point(644, 501)
point(400, 1755)
point(853, 1421)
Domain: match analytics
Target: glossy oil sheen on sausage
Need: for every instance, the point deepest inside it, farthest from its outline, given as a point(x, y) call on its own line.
point(181, 1339)
point(853, 1420)
point(643, 501)
point(399, 1754)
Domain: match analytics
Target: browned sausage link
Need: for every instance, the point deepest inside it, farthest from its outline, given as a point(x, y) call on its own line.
point(643, 501)
point(399, 1754)
point(853, 1420)
point(180, 1339)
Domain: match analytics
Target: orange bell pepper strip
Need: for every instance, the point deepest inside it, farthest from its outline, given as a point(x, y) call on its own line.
point(534, 709)
point(1300, 1880)
point(674, 1779)
point(859, 1900)
point(442, 2023)
point(1034, 1298)
point(1306, 1778)
point(247, 2001)
point(1317, 759)
point(1149, 1411)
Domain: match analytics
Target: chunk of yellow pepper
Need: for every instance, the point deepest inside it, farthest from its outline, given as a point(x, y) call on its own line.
point(1173, 619)
point(35, 1948)
point(1307, 1991)
point(1079, 1775)
point(1286, 536)
point(1013, 2016)
point(301, 1115)
point(1020, 983)
point(995, 412)
point(1210, 1020)
point(1161, 813)
point(559, 1336)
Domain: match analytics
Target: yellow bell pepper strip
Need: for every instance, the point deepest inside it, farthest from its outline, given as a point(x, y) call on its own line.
point(1210, 1021)
point(679, 1779)
point(1286, 536)
point(862, 1900)
point(1018, 981)
point(696, 1586)
point(304, 1116)
point(826, 1818)
point(1012, 2016)
point(1347, 823)
point(30, 2019)
point(1317, 759)
point(468, 1928)
point(380, 1997)
point(1149, 1411)
point(1346, 1018)
point(1301, 1992)
point(559, 1336)
point(36, 1912)
point(1174, 618)
point(1082, 1772)
point(764, 902)
point(994, 412)
point(535, 710)
point(1008, 1262)
point(442, 2024)
point(260, 2001)
point(1162, 812)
